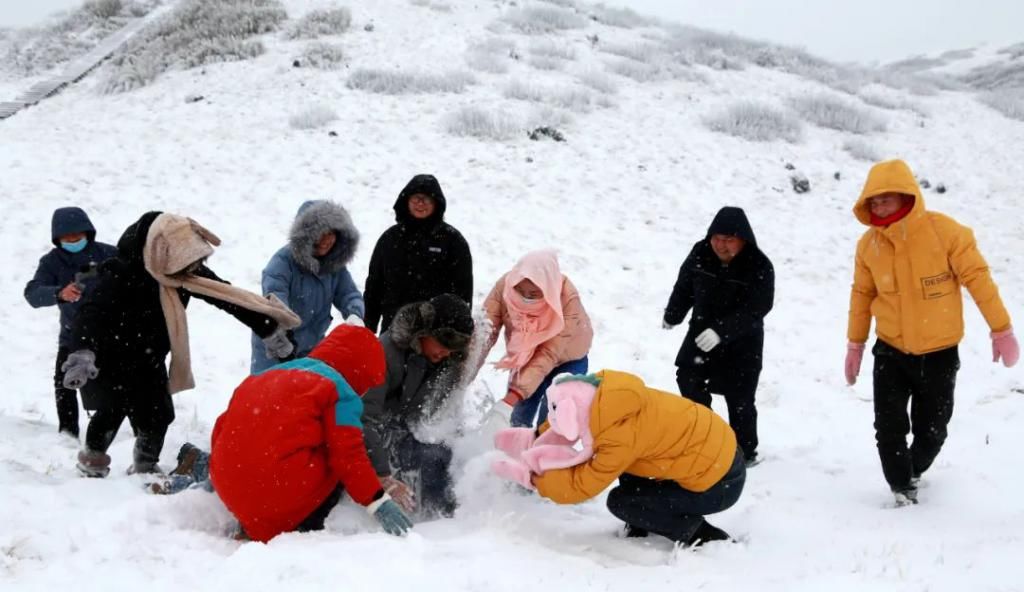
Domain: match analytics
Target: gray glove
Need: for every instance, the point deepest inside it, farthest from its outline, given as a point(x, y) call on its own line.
point(79, 368)
point(391, 517)
point(278, 345)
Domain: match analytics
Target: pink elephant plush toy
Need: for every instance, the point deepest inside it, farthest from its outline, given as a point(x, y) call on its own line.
point(566, 444)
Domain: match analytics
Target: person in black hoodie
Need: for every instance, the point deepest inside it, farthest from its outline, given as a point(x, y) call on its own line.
point(63, 276)
point(730, 286)
point(418, 258)
point(129, 322)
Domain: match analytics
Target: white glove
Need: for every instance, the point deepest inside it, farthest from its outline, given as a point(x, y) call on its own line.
point(666, 326)
point(502, 412)
point(708, 340)
point(354, 321)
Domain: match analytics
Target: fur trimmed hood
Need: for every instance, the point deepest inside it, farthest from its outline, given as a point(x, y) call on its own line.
point(446, 318)
point(316, 218)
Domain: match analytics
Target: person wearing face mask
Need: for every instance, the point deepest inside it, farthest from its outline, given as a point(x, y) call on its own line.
point(908, 271)
point(419, 347)
point(419, 257)
point(547, 333)
point(64, 276)
point(729, 284)
point(309, 274)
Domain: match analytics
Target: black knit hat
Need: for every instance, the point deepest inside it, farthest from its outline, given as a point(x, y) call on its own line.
point(449, 321)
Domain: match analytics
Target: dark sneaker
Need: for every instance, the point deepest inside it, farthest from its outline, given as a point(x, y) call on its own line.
point(634, 532)
point(93, 464)
point(187, 456)
point(905, 497)
point(751, 460)
point(707, 533)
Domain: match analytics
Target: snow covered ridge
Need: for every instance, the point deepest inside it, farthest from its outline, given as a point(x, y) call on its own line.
point(624, 198)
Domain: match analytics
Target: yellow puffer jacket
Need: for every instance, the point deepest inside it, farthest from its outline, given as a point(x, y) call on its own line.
point(648, 433)
point(908, 275)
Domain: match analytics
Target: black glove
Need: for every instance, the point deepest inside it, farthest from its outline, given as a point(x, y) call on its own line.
point(79, 368)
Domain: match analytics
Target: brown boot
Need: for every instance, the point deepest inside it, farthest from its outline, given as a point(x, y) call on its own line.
point(93, 464)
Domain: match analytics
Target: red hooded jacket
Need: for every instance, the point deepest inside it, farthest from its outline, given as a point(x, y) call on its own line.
point(293, 433)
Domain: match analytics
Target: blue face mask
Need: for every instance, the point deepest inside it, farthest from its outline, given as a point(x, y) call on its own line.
point(74, 247)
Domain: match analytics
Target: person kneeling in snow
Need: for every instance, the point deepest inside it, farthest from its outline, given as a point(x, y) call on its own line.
point(676, 461)
point(421, 374)
point(291, 441)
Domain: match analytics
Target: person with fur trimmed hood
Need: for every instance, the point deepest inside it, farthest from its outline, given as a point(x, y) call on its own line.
point(909, 268)
point(134, 316)
point(422, 337)
point(309, 274)
point(729, 284)
point(420, 257)
point(64, 274)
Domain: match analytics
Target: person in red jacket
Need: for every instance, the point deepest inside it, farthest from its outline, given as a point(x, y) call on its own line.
point(291, 441)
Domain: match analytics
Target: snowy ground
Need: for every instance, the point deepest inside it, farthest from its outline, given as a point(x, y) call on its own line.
point(623, 200)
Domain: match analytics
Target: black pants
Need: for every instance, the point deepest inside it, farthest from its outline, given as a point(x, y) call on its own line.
point(925, 381)
point(315, 521)
point(738, 387)
point(67, 399)
point(425, 468)
point(665, 508)
point(149, 418)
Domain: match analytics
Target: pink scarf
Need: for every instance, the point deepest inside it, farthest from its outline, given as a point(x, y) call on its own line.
point(536, 322)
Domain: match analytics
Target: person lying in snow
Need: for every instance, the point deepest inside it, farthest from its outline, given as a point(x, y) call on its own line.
point(64, 275)
point(134, 316)
point(309, 274)
point(423, 347)
point(675, 460)
point(547, 333)
point(291, 441)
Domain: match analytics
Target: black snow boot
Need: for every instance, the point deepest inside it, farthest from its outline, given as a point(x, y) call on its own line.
point(707, 533)
point(634, 532)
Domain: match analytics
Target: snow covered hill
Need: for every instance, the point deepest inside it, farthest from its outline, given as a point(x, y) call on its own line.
point(623, 199)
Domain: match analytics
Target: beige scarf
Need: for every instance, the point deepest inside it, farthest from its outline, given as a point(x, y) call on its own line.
point(173, 244)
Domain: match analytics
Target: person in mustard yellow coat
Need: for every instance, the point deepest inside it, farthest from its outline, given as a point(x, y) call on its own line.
point(908, 270)
point(675, 460)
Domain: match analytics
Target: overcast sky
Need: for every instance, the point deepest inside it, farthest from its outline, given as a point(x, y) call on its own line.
point(853, 30)
point(856, 30)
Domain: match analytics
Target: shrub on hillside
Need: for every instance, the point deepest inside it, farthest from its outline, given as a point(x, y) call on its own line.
point(325, 56)
point(196, 33)
point(1009, 102)
point(542, 20)
point(891, 102)
point(312, 117)
point(104, 9)
point(479, 123)
point(492, 55)
point(562, 3)
point(552, 49)
point(623, 18)
point(861, 150)
point(831, 112)
point(646, 53)
point(757, 122)
point(996, 76)
point(599, 82)
point(545, 63)
point(326, 21)
point(394, 82)
point(571, 98)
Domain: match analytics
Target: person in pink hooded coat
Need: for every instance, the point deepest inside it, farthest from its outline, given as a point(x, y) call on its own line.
point(547, 333)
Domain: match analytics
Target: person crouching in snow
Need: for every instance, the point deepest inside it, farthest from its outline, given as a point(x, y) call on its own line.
point(547, 333)
point(134, 316)
point(676, 461)
point(309, 274)
point(291, 441)
point(908, 269)
point(419, 345)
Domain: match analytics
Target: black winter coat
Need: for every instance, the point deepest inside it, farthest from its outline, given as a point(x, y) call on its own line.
point(122, 322)
point(415, 260)
point(731, 299)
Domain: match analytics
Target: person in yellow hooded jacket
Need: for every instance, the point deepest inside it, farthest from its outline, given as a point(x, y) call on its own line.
point(675, 460)
point(908, 270)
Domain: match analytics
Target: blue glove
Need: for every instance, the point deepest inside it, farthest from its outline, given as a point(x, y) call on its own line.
point(391, 517)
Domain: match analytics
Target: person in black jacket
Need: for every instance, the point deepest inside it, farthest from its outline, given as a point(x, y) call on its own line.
point(63, 276)
point(418, 258)
point(120, 337)
point(730, 285)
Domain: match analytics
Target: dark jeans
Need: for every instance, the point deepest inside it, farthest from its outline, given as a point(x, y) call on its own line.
point(738, 387)
point(425, 467)
point(315, 521)
point(927, 383)
point(536, 405)
point(149, 419)
point(67, 399)
point(665, 508)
